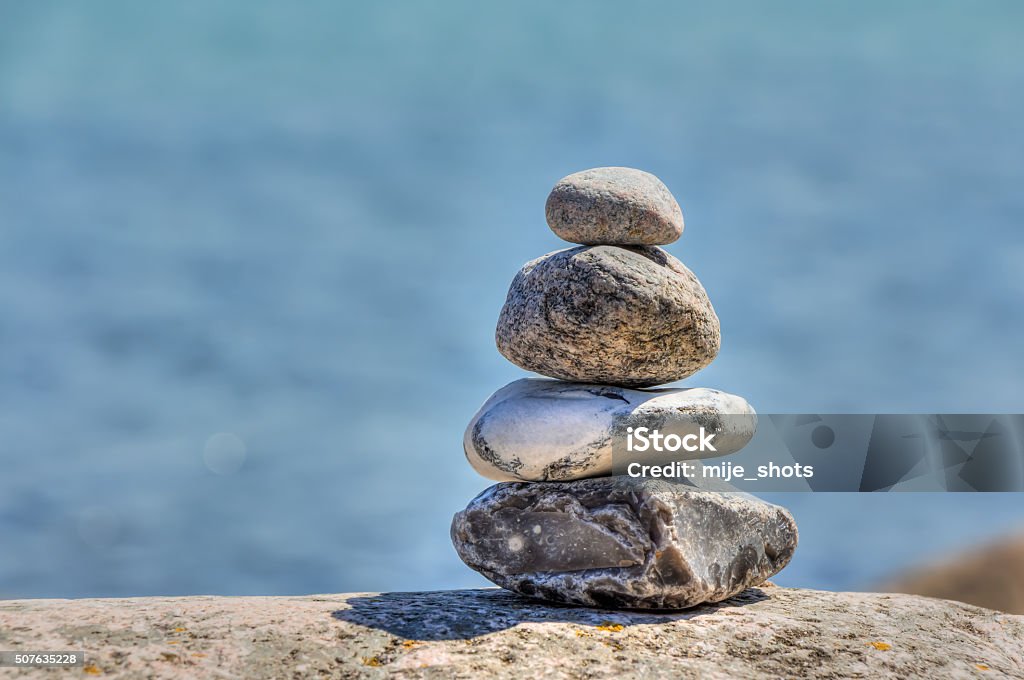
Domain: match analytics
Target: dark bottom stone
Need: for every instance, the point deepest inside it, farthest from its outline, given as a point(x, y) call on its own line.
point(622, 542)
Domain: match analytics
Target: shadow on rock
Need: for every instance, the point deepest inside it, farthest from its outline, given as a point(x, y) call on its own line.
point(467, 614)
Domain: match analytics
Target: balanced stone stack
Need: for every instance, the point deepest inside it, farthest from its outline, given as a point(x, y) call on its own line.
point(605, 319)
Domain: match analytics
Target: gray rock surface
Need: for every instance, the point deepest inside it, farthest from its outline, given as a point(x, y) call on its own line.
point(536, 429)
point(768, 632)
point(622, 542)
point(614, 206)
point(631, 316)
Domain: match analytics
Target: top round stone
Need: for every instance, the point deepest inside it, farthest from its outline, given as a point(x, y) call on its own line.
point(614, 207)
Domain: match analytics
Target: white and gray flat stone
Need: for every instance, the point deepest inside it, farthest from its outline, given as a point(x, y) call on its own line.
point(623, 543)
point(536, 429)
point(630, 316)
point(614, 206)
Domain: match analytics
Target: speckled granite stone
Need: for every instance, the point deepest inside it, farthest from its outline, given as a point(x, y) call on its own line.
point(764, 633)
point(536, 429)
point(622, 542)
point(632, 316)
point(613, 206)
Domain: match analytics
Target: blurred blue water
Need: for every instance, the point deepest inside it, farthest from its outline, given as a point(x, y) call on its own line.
point(298, 226)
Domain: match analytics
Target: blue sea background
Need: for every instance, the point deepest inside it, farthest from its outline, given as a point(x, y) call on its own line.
point(252, 255)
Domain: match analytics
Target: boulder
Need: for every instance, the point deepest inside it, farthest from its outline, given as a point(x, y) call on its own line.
point(990, 575)
point(765, 632)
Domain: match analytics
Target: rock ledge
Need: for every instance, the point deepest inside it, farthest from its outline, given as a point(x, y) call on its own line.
point(765, 632)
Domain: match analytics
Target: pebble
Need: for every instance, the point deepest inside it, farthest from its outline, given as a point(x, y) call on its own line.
point(536, 429)
point(614, 206)
point(630, 316)
point(618, 542)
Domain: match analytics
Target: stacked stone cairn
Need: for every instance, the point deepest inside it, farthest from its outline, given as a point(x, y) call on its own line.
point(605, 319)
